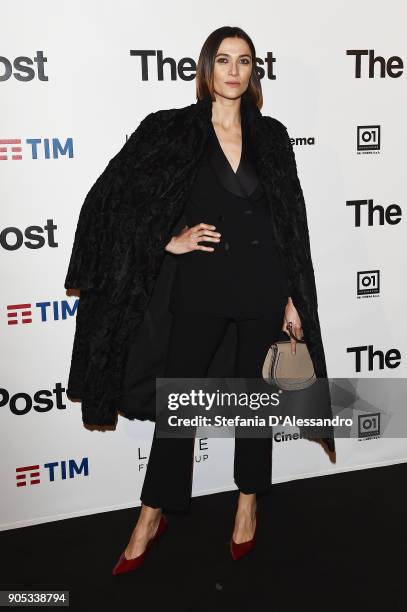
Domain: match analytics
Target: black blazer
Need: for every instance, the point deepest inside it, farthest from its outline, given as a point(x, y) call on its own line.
point(244, 275)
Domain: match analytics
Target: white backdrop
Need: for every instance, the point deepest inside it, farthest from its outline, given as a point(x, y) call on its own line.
point(70, 93)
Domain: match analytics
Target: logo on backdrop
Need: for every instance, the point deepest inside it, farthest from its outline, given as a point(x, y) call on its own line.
point(369, 359)
point(42, 401)
point(12, 238)
point(56, 310)
point(368, 139)
point(367, 213)
point(303, 140)
point(201, 453)
point(369, 426)
point(300, 140)
point(23, 68)
point(27, 475)
point(367, 64)
point(368, 283)
point(35, 148)
point(151, 63)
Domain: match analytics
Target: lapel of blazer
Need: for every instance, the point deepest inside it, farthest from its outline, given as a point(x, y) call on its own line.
point(264, 135)
point(243, 182)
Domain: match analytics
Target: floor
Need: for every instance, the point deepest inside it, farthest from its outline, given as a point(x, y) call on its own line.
point(328, 543)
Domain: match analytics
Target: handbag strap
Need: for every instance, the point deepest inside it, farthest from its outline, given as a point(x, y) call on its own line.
point(290, 331)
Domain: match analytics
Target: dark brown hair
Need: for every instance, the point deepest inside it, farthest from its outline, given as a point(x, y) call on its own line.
point(206, 61)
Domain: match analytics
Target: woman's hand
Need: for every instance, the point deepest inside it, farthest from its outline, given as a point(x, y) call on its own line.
point(188, 238)
point(291, 314)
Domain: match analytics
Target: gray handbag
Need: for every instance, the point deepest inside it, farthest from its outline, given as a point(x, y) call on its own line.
point(286, 370)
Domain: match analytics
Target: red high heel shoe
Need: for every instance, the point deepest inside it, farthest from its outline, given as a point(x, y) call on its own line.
point(239, 550)
point(124, 565)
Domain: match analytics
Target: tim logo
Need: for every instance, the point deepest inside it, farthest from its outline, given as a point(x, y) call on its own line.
point(369, 425)
point(10, 148)
point(36, 148)
point(49, 311)
point(368, 283)
point(28, 475)
point(368, 139)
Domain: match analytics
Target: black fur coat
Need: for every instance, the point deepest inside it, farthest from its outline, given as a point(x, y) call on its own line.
point(124, 275)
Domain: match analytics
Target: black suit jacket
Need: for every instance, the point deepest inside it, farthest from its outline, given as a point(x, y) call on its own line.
point(244, 274)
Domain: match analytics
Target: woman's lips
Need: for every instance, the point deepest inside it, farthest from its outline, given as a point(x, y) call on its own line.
point(233, 84)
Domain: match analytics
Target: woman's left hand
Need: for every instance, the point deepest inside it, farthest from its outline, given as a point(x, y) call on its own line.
point(292, 315)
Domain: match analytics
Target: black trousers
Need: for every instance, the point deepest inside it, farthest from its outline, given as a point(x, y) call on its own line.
point(194, 339)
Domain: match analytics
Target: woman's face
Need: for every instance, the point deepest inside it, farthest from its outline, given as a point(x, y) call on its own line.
point(232, 68)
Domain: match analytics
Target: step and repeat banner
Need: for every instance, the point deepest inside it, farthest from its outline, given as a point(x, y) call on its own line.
point(76, 78)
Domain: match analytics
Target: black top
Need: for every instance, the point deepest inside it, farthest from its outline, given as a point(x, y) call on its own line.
point(244, 275)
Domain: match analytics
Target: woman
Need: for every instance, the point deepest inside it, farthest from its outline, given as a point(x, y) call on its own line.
point(225, 231)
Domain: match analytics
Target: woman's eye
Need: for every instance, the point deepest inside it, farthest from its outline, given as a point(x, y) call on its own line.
point(244, 60)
